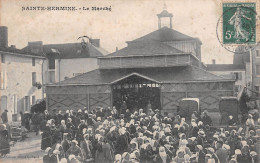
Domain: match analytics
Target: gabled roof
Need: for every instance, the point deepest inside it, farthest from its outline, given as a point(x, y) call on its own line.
point(165, 34)
point(225, 67)
point(14, 51)
point(73, 50)
point(146, 48)
point(163, 75)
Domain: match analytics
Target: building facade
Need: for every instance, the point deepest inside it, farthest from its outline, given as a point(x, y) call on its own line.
point(67, 60)
point(250, 59)
point(21, 79)
point(230, 71)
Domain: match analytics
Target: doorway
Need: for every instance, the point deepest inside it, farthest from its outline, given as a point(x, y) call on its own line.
point(137, 93)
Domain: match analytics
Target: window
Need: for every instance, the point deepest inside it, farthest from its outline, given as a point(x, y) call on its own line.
point(2, 58)
point(257, 88)
point(238, 75)
point(3, 79)
point(33, 61)
point(3, 103)
point(257, 53)
point(51, 63)
point(27, 103)
point(14, 104)
point(33, 78)
point(258, 70)
point(51, 76)
point(33, 100)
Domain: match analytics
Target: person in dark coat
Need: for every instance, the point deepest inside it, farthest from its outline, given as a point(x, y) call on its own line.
point(46, 136)
point(86, 148)
point(47, 155)
point(65, 143)
point(4, 117)
point(121, 142)
point(201, 154)
point(27, 118)
point(4, 142)
point(206, 119)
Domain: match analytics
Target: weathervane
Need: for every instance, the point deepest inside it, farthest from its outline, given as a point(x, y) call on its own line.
point(164, 6)
point(83, 42)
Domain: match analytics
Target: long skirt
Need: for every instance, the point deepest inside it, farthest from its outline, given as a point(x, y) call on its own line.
point(46, 141)
point(4, 145)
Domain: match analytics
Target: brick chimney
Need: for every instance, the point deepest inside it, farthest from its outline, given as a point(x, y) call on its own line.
point(35, 47)
point(95, 42)
point(3, 37)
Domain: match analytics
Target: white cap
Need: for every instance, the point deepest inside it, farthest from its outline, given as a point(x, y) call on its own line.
point(74, 141)
point(238, 152)
point(72, 157)
point(118, 157)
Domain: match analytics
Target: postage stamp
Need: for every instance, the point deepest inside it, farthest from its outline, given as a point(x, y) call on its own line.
point(239, 22)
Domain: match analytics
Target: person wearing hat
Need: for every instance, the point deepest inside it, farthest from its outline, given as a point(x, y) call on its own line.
point(221, 152)
point(81, 126)
point(47, 156)
point(46, 136)
point(200, 153)
point(250, 125)
point(86, 147)
point(245, 151)
point(201, 139)
point(74, 149)
point(179, 156)
point(65, 142)
point(255, 157)
point(211, 151)
point(55, 156)
point(121, 142)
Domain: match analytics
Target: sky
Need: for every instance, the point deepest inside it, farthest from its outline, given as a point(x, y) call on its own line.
point(127, 21)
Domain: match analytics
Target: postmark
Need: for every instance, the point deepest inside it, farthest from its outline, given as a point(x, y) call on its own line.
point(236, 28)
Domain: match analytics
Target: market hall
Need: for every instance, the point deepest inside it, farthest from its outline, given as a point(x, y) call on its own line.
point(156, 70)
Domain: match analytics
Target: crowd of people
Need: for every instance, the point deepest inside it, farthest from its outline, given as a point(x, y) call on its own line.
point(104, 136)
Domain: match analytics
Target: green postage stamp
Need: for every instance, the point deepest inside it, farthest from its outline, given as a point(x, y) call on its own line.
point(239, 23)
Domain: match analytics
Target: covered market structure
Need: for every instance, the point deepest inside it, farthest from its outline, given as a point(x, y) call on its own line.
point(158, 69)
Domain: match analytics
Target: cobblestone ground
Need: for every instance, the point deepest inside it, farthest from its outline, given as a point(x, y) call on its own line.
point(26, 151)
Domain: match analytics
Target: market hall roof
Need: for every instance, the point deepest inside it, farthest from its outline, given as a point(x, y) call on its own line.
point(154, 43)
point(165, 34)
point(179, 74)
point(146, 48)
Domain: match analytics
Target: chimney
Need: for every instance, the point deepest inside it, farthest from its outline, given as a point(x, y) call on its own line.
point(213, 61)
point(3, 37)
point(116, 49)
point(13, 46)
point(95, 42)
point(35, 47)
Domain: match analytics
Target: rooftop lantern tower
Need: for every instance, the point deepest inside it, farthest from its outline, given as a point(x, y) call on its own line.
point(164, 18)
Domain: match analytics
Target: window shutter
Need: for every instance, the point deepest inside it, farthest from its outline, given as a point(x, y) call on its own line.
point(33, 78)
point(1, 80)
point(240, 76)
point(5, 80)
point(15, 104)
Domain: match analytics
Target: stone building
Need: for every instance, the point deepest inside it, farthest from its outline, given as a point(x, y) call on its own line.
point(21, 78)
